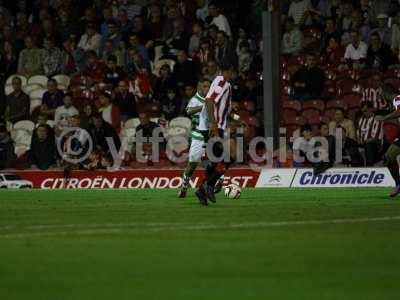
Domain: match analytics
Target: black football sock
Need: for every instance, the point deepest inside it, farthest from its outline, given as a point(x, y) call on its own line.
point(394, 171)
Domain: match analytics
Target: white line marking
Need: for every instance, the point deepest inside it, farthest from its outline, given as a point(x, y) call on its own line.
point(110, 228)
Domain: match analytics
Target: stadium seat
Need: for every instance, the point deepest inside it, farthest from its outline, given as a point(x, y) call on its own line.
point(296, 60)
point(181, 122)
point(328, 115)
point(34, 104)
point(393, 81)
point(158, 52)
point(24, 80)
point(8, 89)
point(315, 104)
point(312, 116)
point(351, 100)
point(38, 79)
point(248, 105)
point(37, 94)
point(24, 125)
point(329, 90)
point(289, 114)
point(132, 123)
point(292, 131)
point(392, 72)
point(330, 74)
point(174, 132)
point(32, 87)
point(292, 104)
point(155, 120)
point(62, 80)
point(391, 131)
point(345, 86)
point(335, 104)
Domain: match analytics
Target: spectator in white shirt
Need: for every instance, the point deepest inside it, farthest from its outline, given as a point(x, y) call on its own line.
point(299, 10)
point(202, 11)
point(219, 19)
point(292, 41)
point(65, 112)
point(356, 51)
point(90, 40)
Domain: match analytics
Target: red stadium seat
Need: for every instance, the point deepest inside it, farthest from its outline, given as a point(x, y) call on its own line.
point(392, 72)
point(394, 81)
point(315, 104)
point(312, 116)
point(336, 104)
point(351, 100)
point(297, 60)
point(290, 120)
point(329, 90)
point(292, 104)
point(346, 86)
point(391, 131)
point(289, 114)
point(329, 113)
point(330, 74)
point(247, 105)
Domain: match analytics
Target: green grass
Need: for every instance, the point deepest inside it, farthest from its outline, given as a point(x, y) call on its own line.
point(147, 244)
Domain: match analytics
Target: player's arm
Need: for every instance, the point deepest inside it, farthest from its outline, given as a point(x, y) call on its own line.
point(194, 110)
point(211, 116)
point(391, 116)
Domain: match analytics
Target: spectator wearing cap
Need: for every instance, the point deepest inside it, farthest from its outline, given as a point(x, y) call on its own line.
point(198, 34)
point(7, 151)
point(113, 34)
point(51, 99)
point(356, 51)
point(225, 53)
point(114, 73)
point(90, 40)
point(126, 102)
point(369, 134)
point(292, 40)
point(385, 33)
point(379, 55)
point(30, 60)
point(109, 111)
point(17, 103)
point(308, 81)
point(63, 113)
point(184, 70)
point(219, 19)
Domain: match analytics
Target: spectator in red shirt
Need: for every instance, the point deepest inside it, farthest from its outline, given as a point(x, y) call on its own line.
point(109, 111)
point(95, 69)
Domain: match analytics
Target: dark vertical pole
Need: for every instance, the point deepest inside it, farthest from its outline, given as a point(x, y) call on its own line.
point(271, 73)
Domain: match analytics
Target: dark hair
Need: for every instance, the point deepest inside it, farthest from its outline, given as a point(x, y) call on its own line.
point(112, 58)
point(68, 95)
point(306, 127)
point(322, 124)
point(107, 95)
point(52, 80)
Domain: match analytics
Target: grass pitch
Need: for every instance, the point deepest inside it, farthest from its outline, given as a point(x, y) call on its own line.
point(147, 244)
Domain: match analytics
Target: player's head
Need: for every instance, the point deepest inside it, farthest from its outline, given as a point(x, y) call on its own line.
point(204, 87)
point(227, 71)
point(306, 132)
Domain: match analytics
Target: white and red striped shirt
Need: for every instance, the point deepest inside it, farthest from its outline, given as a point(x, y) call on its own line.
point(375, 96)
point(369, 129)
point(221, 93)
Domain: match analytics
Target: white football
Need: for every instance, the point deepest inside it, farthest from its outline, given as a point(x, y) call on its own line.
point(232, 191)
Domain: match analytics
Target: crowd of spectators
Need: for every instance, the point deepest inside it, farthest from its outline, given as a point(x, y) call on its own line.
point(143, 59)
point(125, 59)
point(340, 70)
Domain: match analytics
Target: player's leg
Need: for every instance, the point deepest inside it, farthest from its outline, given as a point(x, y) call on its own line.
point(195, 154)
point(216, 171)
point(393, 166)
